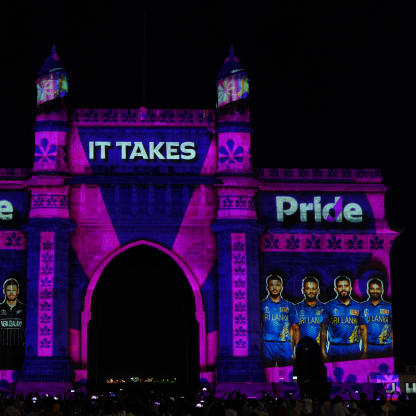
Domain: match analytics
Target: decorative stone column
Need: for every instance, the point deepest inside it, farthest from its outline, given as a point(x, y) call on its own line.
point(237, 232)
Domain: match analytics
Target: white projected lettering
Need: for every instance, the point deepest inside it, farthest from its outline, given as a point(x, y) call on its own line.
point(6, 210)
point(127, 150)
point(287, 206)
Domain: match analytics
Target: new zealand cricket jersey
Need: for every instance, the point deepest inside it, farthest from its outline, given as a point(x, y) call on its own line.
point(343, 321)
point(310, 319)
point(12, 324)
point(378, 322)
point(277, 319)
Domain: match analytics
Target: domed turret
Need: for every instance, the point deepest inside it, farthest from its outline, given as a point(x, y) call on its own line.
point(232, 81)
point(233, 118)
point(51, 126)
point(52, 82)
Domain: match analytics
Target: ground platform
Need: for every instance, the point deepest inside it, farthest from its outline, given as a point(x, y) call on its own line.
point(291, 389)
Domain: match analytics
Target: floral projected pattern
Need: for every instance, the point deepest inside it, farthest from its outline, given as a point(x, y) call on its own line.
point(49, 201)
point(239, 293)
point(12, 240)
point(326, 242)
point(45, 152)
point(45, 293)
point(143, 117)
point(230, 153)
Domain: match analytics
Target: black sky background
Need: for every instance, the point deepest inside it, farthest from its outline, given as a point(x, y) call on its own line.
point(332, 85)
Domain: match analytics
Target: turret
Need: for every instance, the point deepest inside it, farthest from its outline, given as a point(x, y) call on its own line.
point(51, 124)
point(233, 118)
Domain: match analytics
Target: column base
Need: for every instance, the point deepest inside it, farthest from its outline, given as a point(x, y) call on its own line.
point(46, 369)
point(240, 369)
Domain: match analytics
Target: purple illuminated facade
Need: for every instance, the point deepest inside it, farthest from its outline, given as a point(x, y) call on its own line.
point(180, 181)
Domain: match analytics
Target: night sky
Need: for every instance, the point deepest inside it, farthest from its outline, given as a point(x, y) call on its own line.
point(331, 86)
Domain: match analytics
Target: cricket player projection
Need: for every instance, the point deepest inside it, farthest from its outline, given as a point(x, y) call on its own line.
point(310, 311)
point(378, 315)
point(279, 324)
point(344, 327)
point(12, 325)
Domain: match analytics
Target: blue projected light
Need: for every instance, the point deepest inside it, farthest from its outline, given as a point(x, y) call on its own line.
point(133, 147)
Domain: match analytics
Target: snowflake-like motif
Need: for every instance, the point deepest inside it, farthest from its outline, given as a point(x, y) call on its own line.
point(226, 202)
point(292, 242)
point(45, 343)
point(346, 173)
point(332, 173)
point(361, 173)
point(45, 318)
point(239, 295)
point(47, 257)
point(45, 152)
point(45, 282)
point(151, 116)
point(231, 153)
point(38, 202)
point(240, 307)
point(238, 246)
point(240, 331)
point(334, 243)
point(239, 282)
point(239, 271)
point(240, 343)
point(110, 116)
point(91, 115)
point(45, 294)
point(239, 259)
point(52, 201)
point(354, 243)
point(313, 243)
point(14, 240)
point(45, 306)
point(46, 269)
point(376, 243)
point(317, 173)
point(47, 245)
point(45, 331)
point(129, 116)
point(240, 319)
point(240, 202)
point(271, 242)
point(167, 116)
point(186, 117)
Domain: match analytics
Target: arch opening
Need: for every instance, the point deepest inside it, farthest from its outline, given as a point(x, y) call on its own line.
point(143, 313)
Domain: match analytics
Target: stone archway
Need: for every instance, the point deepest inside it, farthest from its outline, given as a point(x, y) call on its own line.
point(199, 308)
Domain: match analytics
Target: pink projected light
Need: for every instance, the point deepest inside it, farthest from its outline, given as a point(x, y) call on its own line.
point(12, 240)
point(239, 293)
point(45, 293)
point(373, 370)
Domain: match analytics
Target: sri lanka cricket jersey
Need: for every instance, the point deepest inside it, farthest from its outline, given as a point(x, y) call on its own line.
point(310, 319)
point(378, 322)
point(277, 319)
point(343, 321)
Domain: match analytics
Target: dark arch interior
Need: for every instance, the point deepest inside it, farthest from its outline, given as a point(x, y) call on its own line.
point(143, 320)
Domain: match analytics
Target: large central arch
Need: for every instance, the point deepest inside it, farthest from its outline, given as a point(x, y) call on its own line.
point(199, 307)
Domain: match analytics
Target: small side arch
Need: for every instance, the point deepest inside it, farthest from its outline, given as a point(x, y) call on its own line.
point(199, 307)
